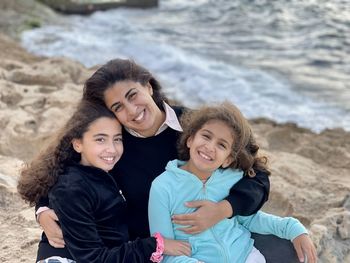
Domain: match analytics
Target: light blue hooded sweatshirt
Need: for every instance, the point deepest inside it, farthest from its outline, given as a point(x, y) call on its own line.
point(226, 242)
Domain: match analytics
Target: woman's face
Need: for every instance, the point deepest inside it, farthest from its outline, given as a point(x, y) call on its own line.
point(134, 107)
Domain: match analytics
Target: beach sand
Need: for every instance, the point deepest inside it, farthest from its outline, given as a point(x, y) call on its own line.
point(310, 172)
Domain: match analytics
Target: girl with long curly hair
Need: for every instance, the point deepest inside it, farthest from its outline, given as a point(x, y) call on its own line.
point(73, 171)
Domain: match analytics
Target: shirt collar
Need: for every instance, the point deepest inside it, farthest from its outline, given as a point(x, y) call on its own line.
point(171, 121)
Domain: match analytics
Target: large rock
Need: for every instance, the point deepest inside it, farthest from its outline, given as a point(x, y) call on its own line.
point(90, 6)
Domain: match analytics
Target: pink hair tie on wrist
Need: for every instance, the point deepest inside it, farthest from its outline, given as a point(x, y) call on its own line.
point(157, 256)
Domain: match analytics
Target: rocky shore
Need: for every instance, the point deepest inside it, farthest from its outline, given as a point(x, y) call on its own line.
point(310, 172)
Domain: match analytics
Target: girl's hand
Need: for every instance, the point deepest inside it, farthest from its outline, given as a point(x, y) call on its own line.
point(176, 248)
point(304, 246)
point(47, 221)
point(208, 213)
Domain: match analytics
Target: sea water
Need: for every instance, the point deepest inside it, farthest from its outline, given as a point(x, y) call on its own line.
point(287, 60)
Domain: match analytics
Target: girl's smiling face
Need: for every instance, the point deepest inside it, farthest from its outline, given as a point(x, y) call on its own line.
point(210, 148)
point(101, 145)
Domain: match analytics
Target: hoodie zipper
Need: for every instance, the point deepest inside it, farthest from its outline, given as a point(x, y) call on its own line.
point(204, 189)
point(121, 193)
point(223, 252)
point(116, 186)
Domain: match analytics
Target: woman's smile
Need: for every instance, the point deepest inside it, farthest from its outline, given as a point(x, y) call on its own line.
point(140, 117)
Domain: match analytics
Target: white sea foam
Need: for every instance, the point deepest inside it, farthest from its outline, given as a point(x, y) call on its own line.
point(188, 76)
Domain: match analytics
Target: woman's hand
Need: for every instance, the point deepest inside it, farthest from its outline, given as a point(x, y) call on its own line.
point(176, 248)
point(304, 246)
point(47, 220)
point(208, 213)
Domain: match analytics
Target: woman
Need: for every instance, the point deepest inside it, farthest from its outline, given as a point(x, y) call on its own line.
point(151, 129)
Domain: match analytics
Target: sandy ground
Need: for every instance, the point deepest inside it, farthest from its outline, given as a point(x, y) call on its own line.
point(311, 172)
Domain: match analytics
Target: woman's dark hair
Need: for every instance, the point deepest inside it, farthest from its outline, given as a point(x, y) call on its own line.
point(120, 70)
point(244, 149)
point(37, 177)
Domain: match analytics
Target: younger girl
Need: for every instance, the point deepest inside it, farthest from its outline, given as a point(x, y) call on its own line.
point(218, 149)
point(91, 209)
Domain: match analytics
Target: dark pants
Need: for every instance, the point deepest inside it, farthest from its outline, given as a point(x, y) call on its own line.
point(275, 249)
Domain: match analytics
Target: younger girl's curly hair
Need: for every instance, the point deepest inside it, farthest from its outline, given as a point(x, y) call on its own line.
point(37, 177)
point(244, 148)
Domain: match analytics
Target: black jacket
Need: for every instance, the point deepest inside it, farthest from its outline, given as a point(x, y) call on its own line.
point(92, 214)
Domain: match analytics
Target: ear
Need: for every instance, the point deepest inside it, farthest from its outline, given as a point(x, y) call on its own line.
point(149, 88)
point(189, 142)
point(227, 162)
point(77, 145)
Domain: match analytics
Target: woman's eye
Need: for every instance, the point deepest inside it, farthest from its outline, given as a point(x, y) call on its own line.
point(132, 95)
point(117, 108)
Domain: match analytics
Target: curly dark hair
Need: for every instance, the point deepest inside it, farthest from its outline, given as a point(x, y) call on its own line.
point(244, 149)
point(117, 70)
point(37, 177)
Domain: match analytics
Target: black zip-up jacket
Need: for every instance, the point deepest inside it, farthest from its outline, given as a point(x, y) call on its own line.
point(92, 214)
